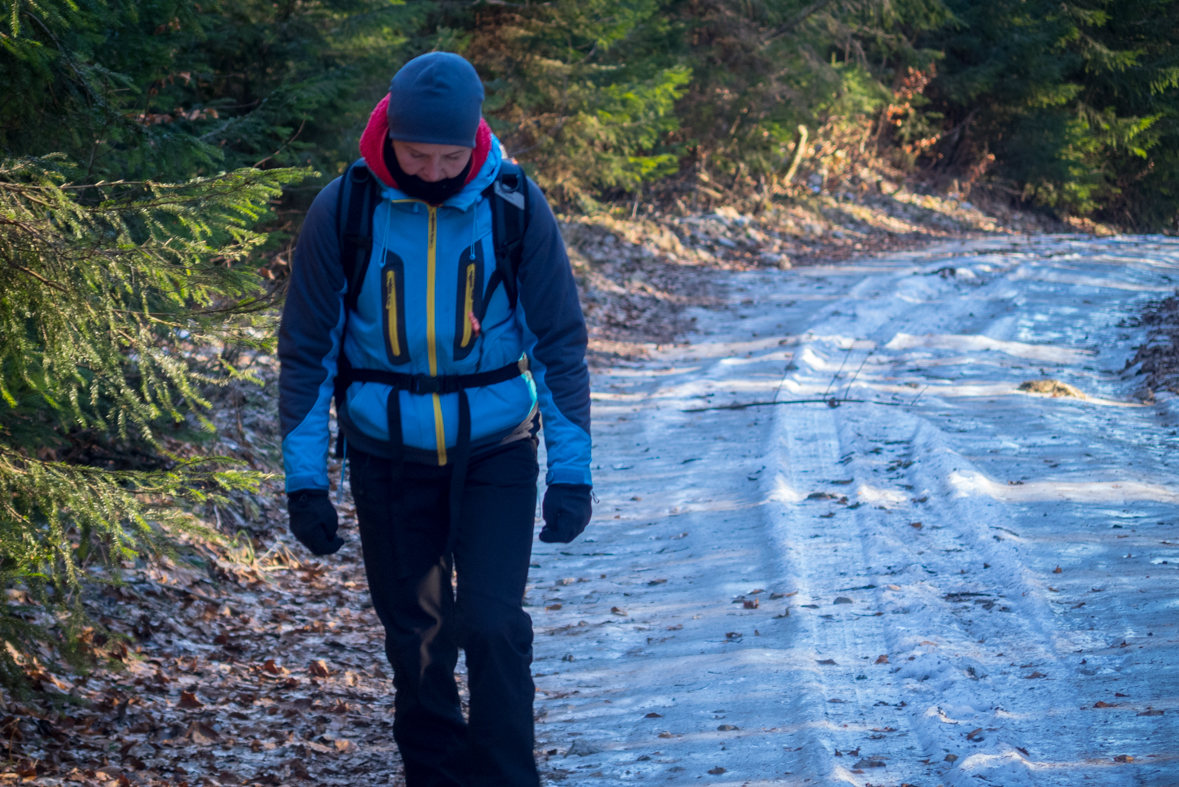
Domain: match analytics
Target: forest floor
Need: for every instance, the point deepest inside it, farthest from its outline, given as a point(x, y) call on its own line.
point(943, 579)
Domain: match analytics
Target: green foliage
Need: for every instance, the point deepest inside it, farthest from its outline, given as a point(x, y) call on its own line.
point(169, 89)
point(568, 94)
point(602, 97)
point(113, 293)
point(111, 287)
point(126, 255)
point(1078, 102)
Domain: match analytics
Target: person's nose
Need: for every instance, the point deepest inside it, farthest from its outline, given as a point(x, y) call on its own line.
point(433, 171)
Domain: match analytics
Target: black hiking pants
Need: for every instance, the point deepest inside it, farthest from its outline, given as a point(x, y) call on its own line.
point(404, 531)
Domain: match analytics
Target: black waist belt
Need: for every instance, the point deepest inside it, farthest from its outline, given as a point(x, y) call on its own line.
point(442, 384)
point(423, 384)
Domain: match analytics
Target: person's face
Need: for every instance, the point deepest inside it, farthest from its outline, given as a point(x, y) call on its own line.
point(431, 162)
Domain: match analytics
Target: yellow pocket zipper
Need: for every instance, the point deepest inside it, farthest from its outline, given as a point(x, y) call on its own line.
point(393, 305)
point(468, 305)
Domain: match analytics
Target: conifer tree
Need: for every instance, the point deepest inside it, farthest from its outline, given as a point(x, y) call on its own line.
point(114, 290)
point(113, 295)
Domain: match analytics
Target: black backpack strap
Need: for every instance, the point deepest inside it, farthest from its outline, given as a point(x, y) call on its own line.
point(508, 195)
point(359, 193)
point(358, 197)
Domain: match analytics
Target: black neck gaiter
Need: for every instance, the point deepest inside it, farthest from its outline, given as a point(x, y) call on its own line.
point(433, 193)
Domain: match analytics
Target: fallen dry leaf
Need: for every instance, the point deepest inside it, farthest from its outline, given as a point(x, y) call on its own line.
point(717, 771)
point(882, 659)
point(201, 734)
point(188, 699)
point(319, 669)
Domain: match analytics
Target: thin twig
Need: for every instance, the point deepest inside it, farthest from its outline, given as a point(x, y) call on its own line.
point(836, 377)
point(918, 396)
point(283, 146)
point(783, 380)
point(798, 19)
point(857, 374)
point(828, 402)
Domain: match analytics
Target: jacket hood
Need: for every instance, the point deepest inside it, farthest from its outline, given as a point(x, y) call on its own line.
point(372, 146)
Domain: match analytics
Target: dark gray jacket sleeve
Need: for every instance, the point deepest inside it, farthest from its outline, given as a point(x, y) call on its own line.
point(309, 344)
point(555, 342)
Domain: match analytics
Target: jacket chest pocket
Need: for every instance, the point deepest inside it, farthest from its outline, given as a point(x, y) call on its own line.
point(393, 308)
point(470, 300)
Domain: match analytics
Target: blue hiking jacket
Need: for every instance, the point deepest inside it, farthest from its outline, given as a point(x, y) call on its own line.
point(429, 267)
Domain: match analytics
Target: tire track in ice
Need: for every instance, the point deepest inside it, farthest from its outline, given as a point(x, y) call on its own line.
point(976, 708)
point(647, 671)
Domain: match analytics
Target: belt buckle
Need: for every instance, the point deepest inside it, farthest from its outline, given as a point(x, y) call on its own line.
point(423, 384)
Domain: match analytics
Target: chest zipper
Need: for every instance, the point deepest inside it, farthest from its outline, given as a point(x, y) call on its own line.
point(431, 331)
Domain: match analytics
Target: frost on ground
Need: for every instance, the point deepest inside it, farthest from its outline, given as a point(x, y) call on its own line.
point(637, 276)
point(931, 574)
point(951, 559)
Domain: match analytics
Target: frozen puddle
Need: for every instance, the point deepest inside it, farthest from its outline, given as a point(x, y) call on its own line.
point(958, 583)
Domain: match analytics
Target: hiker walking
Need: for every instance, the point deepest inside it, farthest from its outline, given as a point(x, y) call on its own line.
point(432, 297)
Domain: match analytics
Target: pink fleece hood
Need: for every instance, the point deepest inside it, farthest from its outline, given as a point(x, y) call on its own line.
point(372, 145)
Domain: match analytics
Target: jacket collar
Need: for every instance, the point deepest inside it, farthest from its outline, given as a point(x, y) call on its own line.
point(485, 158)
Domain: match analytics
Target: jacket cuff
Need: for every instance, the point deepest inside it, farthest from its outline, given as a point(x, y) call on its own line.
point(569, 475)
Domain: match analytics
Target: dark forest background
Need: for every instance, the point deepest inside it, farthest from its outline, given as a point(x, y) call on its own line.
point(156, 157)
point(1070, 106)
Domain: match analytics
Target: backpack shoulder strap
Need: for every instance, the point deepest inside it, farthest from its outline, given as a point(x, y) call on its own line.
point(358, 197)
point(508, 196)
point(354, 222)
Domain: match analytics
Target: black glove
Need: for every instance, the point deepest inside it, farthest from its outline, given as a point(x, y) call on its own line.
point(567, 509)
point(314, 521)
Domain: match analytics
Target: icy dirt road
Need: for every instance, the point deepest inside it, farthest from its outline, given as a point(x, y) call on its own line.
point(959, 584)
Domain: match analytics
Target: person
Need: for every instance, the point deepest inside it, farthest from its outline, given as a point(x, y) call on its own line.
point(444, 367)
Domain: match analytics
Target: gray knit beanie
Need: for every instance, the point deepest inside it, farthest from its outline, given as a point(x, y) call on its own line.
point(436, 98)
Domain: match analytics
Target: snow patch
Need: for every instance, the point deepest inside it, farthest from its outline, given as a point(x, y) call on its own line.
point(979, 343)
